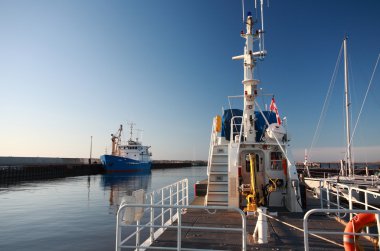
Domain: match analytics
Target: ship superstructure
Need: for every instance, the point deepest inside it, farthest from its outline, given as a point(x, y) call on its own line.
point(249, 162)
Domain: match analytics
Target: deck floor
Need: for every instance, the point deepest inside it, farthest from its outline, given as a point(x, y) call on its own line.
point(281, 236)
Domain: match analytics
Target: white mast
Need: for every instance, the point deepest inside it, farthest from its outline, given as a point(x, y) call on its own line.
point(348, 134)
point(250, 84)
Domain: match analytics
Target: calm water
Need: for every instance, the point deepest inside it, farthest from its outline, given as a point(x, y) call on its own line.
point(74, 213)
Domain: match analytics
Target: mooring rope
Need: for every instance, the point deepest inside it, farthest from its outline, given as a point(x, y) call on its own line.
point(300, 229)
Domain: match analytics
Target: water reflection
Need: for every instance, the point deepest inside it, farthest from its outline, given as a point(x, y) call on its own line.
point(36, 209)
point(120, 185)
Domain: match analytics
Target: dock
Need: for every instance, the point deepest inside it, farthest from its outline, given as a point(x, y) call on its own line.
point(326, 169)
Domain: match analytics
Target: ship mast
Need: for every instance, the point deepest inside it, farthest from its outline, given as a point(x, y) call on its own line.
point(131, 131)
point(348, 134)
point(250, 84)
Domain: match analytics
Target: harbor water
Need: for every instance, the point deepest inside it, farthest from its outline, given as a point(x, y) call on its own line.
point(75, 213)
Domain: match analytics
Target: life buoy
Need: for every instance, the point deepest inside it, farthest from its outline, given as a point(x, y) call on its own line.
point(356, 225)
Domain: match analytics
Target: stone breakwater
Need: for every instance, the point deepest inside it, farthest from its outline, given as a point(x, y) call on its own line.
point(30, 168)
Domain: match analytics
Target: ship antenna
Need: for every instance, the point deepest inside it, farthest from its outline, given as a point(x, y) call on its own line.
point(261, 32)
point(242, 4)
point(243, 15)
point(131, 130)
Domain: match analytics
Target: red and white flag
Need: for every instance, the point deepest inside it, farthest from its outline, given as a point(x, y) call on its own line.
point(273, 108)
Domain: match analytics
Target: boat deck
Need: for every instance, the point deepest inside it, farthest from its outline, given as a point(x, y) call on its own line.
point(281, 236)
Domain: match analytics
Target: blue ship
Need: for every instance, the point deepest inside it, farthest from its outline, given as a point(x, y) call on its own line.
point(132, 156)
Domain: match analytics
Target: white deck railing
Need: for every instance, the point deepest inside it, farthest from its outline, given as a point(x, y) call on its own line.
point(176, 194)
point(211, 147)
point(334, 194)
point(344, 198)
point(163, 210)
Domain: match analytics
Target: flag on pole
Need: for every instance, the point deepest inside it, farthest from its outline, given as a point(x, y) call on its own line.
point(273, 108)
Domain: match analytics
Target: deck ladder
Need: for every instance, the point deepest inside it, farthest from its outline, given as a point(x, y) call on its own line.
point(217, 189)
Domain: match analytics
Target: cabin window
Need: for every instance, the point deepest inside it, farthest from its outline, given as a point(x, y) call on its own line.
point(248, 163)
point(276, 160)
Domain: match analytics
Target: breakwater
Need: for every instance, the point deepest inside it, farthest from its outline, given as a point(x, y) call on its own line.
point(159, 164)
point(34, 168)
point(47, 171)
point(31, 168)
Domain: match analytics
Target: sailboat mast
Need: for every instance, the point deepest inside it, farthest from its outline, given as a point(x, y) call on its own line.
point(348, 134)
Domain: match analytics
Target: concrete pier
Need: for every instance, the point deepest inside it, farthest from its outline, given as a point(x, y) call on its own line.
point(29, 168)
point(13, 173)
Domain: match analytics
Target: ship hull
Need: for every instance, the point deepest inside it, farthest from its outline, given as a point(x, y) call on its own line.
point(120, 164)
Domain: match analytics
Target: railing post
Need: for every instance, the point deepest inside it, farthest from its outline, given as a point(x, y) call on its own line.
point(187, 192)
point(366, 207)
point(244, 231)
point(151, 217)
point(328, 195)
point(177, 194)
point(177, 186)
point(138, 235)
point(118, 231)
point(337, 197)
point(306, 233)
point(321, 193)
point(171, 204)
point(183, 193)
point(179, 227)
point(350, 200)
point(378, 227)
point(162, 209)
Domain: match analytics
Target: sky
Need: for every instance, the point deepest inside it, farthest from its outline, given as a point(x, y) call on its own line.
point(72, 70)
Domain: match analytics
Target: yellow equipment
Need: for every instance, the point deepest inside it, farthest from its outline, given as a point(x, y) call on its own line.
point(252, 197)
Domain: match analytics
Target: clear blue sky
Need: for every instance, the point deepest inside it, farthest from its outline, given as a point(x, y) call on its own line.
point(74, 69)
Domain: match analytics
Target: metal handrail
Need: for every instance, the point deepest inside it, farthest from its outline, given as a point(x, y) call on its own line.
point(337, 211)
point(176, 198)
point(168, 213)
point(329, 189)
point(211, 147)
point(167, 225)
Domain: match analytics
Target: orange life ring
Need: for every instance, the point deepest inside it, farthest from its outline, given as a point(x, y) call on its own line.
point(356, 225)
